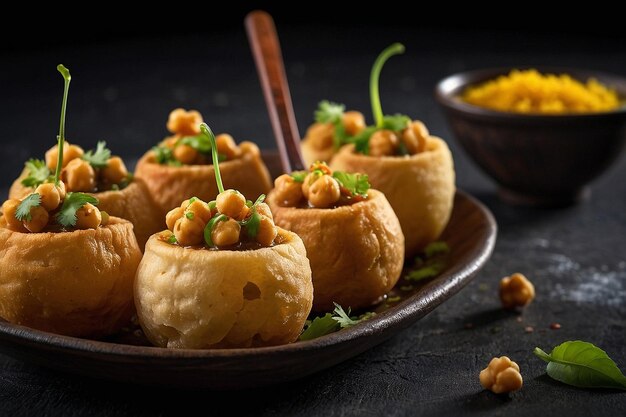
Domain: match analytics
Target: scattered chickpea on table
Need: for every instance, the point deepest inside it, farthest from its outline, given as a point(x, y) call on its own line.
point(516, 291)
point(501, 376)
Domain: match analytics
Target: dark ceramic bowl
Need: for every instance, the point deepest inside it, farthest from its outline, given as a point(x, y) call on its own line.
point(538, 160)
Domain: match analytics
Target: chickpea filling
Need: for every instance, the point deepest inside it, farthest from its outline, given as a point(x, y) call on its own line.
point(228, 222)
point(51, 208)
point(188, 146)
point(90, 172)
point(320, 188)
point(391, 135)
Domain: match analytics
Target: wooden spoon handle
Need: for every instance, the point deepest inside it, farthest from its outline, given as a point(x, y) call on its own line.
point(269, 64)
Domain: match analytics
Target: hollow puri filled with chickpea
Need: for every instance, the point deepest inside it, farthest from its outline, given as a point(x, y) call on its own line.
point(419, 187)
point(76, 283)
point(323, 138)
point(355, 245)
point(199, 298)
point(101, 175)
point(180, 166)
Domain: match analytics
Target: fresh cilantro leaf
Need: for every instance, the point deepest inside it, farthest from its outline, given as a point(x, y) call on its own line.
point(340, 136)
point(172, 239)
point(23, 210)
point(298, 176)
point(38, 173)
point(328, 112)
point(357, 184)
point(436, 248)
point(332, 322)
point(431, 269)
point(200, 143)
point(320, 326)
point(396, 122)
point(163, 155)
point(99, 157)
point(362, 140)
point(189, 215)
point(66, 216)
point(394, 299)
point(343, 318)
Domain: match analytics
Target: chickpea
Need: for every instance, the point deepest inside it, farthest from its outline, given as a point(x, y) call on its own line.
point(267, 231)
point(225, 233)
point(501, 376)
point(324, 192)
point(185, 154)
point(186, 123)
point(172, 217)
point(321, 135)
point(288, 191)
point(9, 208)
point(70, 152)
point(226, 146)
point(353, 122)
point(38, 219)
point(309, 180)
point(88, 217)
point(105, 218)
point(170, 142)
point(189, 232)
point(115, 171)
point(264, 210)
point(414, 137)
point(230, 203)
point(199, 209)
point(516, 291)
point(249, 148)
point(383, 143)
point(50, 196)
point(78, 175)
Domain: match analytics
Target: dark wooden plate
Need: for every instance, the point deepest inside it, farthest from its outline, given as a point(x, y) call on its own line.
point(471, 235)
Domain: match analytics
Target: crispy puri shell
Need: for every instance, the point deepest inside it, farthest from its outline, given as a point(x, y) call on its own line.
point(419, 187)
point(198, 298)
point(132, 203)
point(76, 283)
point(356, 251)
point(171, 185)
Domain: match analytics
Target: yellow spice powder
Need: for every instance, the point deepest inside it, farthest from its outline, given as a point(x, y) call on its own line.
point(529, 91)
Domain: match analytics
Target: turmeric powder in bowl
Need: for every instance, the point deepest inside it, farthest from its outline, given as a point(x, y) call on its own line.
point(529, 91)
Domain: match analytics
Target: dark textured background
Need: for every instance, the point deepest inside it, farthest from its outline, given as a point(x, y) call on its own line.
point(125, 83)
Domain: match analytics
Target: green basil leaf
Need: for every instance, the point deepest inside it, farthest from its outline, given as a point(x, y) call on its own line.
point(582, 364)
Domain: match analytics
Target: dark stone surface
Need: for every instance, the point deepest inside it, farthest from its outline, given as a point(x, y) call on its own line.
point(122, 92)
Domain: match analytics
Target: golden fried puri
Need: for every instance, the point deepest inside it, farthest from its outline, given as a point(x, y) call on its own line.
point(132, 203)
point(201, 298)
point(419, 187)
point(356, 251)
point(76, 283)
point(170, 185)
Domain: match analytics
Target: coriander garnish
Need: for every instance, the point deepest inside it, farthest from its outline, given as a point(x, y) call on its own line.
point(23, 210)
point(377, 109)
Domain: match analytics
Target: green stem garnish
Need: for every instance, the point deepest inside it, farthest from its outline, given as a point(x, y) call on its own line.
point(216, 164)
point(61, 136)
point(377, 109)
point(208, 229)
